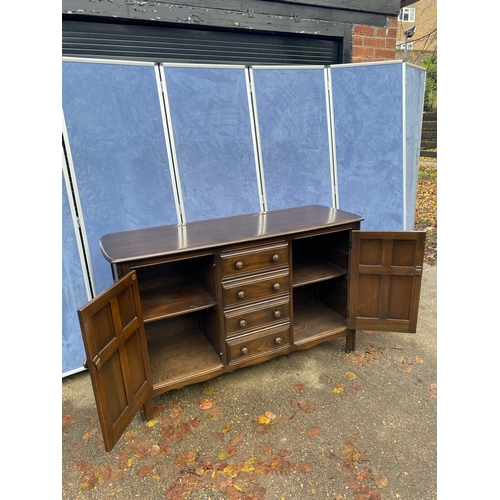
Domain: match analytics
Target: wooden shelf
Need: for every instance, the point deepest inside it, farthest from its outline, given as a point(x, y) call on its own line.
point(173, 300)
point(178, 351)
point(313, 319)
point(309, 270)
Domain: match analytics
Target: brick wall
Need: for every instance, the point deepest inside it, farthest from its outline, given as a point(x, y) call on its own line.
point(374, 44)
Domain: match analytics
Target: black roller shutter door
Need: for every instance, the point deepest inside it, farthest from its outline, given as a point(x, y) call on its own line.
point(158, 44)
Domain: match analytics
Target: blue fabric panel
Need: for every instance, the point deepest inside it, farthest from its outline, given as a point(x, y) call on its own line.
point(293, 127)
point(117, 142)
point(74, 292)
point(213, 141)
point(415, 85)
point(367, 104)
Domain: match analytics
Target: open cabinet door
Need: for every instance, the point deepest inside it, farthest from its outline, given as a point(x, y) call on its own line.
point(117, 357)
point(385, 275)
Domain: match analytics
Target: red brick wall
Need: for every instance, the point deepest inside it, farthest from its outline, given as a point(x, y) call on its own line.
point(374, 44)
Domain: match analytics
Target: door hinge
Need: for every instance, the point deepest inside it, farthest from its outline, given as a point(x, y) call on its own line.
point(350, 245)
point(347, 315)
point(418, 270)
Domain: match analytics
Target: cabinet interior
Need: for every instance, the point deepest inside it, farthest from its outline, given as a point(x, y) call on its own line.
point(320, 286)
point(179, 311)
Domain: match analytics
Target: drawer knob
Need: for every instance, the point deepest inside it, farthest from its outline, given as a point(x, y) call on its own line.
point(276, 257)
point(276, 287)
point(278, 340)
point(277, 314)
point(243, 323)
point(244, 350)
point(239, 265)
point(241, 295)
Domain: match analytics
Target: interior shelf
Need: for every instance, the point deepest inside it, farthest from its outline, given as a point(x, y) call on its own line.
point(177, 354)
point(307, 270)
point(313, 319)
point(174, 299)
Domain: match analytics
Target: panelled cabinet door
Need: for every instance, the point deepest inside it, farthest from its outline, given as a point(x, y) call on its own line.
point(385, 275)
point(117, 357)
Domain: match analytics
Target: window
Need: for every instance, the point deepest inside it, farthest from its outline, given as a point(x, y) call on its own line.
point(401, 46)
point(407, 15)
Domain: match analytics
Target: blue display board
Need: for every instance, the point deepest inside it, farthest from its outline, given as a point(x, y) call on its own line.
point(368, 116)
point(414, 103)
point(212, 133)
point(294, 136)
point(74, 292)
point(116, 135)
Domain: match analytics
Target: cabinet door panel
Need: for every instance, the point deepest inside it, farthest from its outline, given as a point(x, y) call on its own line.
point(115, 344)
point(384, 280)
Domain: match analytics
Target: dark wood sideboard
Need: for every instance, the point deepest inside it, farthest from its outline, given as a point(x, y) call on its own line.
point(193, 301)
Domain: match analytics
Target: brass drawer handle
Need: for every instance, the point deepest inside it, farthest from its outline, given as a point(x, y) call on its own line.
point(278, 340)
point(277, 314)
point(276, 257)
point(239, 265)
point(276, 287)
point(244, 351)
point(243, 323)
point(241, 295)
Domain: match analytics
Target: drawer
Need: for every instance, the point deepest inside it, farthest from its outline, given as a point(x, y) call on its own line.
point(260, 287)
point(247, 347)
point(248, 260)
point(242, 319)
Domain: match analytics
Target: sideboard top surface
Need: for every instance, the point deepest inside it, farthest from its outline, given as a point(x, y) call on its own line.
point(173, 239)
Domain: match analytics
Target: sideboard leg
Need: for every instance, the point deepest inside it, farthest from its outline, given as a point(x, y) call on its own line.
point(350, 341)
point(147, 410)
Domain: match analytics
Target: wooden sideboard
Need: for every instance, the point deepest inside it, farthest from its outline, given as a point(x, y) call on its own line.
point(193, 301)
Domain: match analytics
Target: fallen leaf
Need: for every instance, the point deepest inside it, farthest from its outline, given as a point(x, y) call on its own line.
point(265, 448)
point(380, 481)
point(209, 391)
point(82, 465)
point(188, 457)
point(152, 423)
point(338, 388)
point(357, 386)
point(433, 390)
point(405, 365)
point(219, 436)
point(350, 376)
point(314, 431)
point(145, 471)
point(237, 439)
point(263, 419)
point(270, 415)
point(398, 347)
point(205, 404)
point(299, 387)
point(419, 360)
point(88, 481)
point(306, 407)
point(89, 435)
point(67, 420)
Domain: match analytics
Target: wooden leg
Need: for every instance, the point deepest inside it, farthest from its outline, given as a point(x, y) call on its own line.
point(350, 341)
point(147, 410)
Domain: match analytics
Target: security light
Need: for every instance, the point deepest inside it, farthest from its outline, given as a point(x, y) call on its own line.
point(410, 31)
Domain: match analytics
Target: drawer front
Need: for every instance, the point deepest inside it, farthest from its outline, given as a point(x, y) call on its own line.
point(242, 291)
point(254, 259)
point(247, 347)
point(242, 319)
